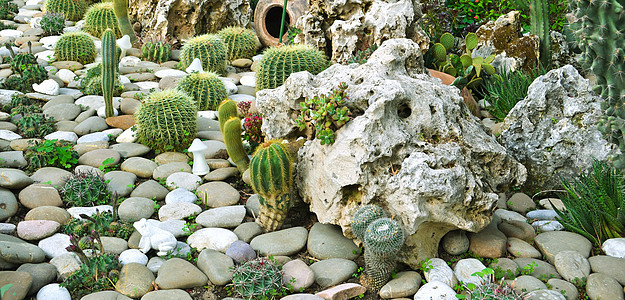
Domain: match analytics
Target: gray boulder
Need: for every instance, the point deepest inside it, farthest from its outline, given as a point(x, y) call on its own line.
point(413, 147)
point(553, 131)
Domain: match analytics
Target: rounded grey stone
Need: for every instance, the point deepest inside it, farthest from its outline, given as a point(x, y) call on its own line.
point(327, 241)
point(247, 231)
point(163, 171)
point(52, 176)
point(150, 189)
point(282, 242)
point(602, 286)
point(135, 209)
point(178, 273)
point(333, 271)
point(167, 295)
point(114, 245)
point(455, 242)
point(63, 111)
point(142, 167)
point(545, 295)
point(130, 149)
point(8, 204)
point(13, 159)
point(120, 182)
point(527, 283)
point(135, 280)
point(571, 265)
point(550, 243)
point(90, 125)
point(97, 157)
point(218, 194)
point(180, 195)
point(14, 179)
point(611, 266)
point(21, 253)
point(404, 285)
point(42, 274)
point(563, 287)
point(106, 295)
point(221, 174)
point(216, 265)
point(252, 205)
point(298, 274)
point(224, 217)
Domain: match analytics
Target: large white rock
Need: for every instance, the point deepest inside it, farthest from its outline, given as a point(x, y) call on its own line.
point(48, 87)
point(212, 238)
point(614, 247)
point(553, 131)
point(66, 75)
point(435, 290)
point(413, 147)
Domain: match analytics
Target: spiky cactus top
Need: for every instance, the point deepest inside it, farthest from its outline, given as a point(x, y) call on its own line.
point(279, 62)
point(72, 10)
point(206, 88)
point(99, 17)
point(209, 48)
point(363, 217)
point(167, 121)
point(76, 46)
point(240, 42)
point(383, 239)
point(601, 37)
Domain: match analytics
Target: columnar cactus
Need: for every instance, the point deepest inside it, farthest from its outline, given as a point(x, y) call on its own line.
point(120, 8)
point(99, 17)
point(240, 42)
point(383, 239)
point(76, 46)
point(71, 9)
point(209, 48)
point(167, 121)
point(234, 145)
point(539, 22)
point(227, 109)
point(600, 35)
point(109, 64)
point(279, 62)
point(206, 88)
point(271, 175)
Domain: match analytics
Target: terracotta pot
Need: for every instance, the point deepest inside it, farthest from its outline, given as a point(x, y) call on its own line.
point(268, 15)
point(466, 95)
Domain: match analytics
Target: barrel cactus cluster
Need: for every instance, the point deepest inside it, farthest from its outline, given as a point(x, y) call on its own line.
point(157, 50)
point(167, 121)
point(99, 17)
point(71, 9)
point(209, 48)
point(279, 62)
point(206, 88)
point(240, 42)
point(383, 238)
point(75, 46)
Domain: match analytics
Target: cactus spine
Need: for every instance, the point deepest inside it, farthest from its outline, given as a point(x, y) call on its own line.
point(279, 62)
point(363, 217)
point(240, 42)
point(271, 174)
point(99, 17)
point(120, 8)
point(76, 46)
point(109, 62)
point(209, 48)
point(71, 9)
point(232, 138)
point(227, 109)
point(156, 50)
point(600, 36)
point(205, 88)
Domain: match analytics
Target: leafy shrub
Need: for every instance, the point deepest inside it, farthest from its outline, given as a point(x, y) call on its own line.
point(51, 153)
point(437, 18)
point(86, 189)
point(595, 204)
point(259, 278)
point(327, 113)
point(504, 93)
point(52, 23)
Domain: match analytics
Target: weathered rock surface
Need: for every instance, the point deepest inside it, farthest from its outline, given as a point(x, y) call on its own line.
point(413, 148)
point(554, 129)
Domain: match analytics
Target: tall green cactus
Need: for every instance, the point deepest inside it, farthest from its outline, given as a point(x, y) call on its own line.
point(383, 239)
point(227, 109)
point(209, 48)
point(240, 42)
point(71, 9)
point(120, 7)
point(99, 17)
point(76, 46)
point(539, 22)
point(271, 175)
point(109, 62)
point(206, 88)
point(601, 37)
point(279, 62)
point(167, 121)
point(156, 50)
point(232, 138)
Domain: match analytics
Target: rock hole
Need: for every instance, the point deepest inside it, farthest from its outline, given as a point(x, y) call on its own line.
point(404, 110)
point(273, 20)
point(358, 81)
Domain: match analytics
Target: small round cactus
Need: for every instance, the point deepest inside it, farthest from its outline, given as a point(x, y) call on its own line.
point(206, 88)
point(75, 46)
point(363, 217)
point(209, 48)
point(383, 239)
point(99, 17)
point(71, 9)
point(260, 278)
point(240, 42)
point(85, 189)
point(280, 62)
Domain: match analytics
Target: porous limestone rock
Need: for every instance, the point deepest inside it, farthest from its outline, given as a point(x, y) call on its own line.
point(413, 148)
point(553, 131)
point(346, 26)
point(182, 19)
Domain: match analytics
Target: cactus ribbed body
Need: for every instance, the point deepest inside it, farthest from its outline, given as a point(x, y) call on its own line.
point(167, 121)
point(363, 217)
point(539, 18)
point(120, 8)
point(383, 239)
point(209, 48)
point(76, 46)
point(71, 9)
point(206, 88)
point(109, 62)
point(156, 51)
point(600, 36)
point(227, 109)
point(279, 62)
point(99, 17)
point(240, 42)
point(271, 174)
point(232, 138)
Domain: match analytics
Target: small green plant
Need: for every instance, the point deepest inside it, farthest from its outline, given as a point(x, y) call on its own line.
point(259, 278)
point(7, 9)
point(489, 289)
point(27, 72)
point(35, 125)
point(529, 269)
point(358, 272)
point(361, 56)
point(51, 153)
point(291, 34)
point(595, 204)
point(108, 165)
point(505, 91)
point(91, 83)
point(104, 223)
point(156, 49)
point(52, 23)
point(426, 265)
point(327, 113)
point(85, 189)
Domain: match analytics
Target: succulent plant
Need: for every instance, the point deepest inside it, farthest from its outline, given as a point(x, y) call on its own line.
point(73, 10)
point(259, 278)
point(364, 216)
point(226, 110)
point(21, 61)
point(209, 48)
point(156, 50)
point(167, 121)
point(271, 175)
point(120, 8)
point(206, 88)
point(240, 42)
point(326, 113)
point(75, 46)
point(279, 62)
point(7, 9)
point(109, 66)
point(35, 125)
point(85, 189)
point(232, 138)
point(52, 23)
point(91, 83)
point(383, 239)
point(99, 17)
